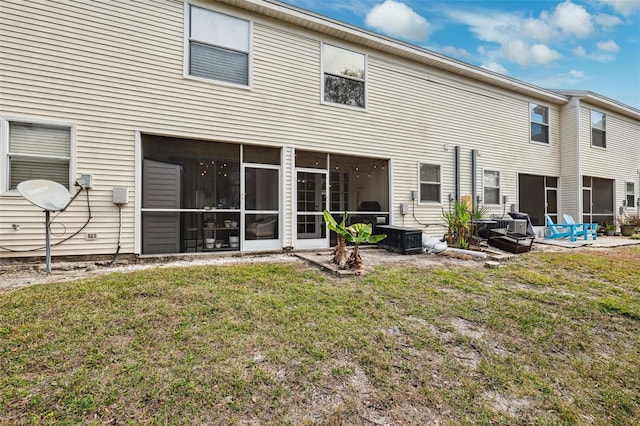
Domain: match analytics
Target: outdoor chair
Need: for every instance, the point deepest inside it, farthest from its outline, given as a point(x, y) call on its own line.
point(261, 230)
point(591, 229)
point(563, 230)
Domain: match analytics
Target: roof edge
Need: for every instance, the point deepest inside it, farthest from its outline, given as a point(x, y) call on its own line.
point(317, 22)
point(601, 100)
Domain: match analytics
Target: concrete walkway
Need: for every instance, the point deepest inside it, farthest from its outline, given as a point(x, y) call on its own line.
point(601, 242)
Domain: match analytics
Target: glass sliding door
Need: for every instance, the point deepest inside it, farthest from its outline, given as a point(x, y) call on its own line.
point(537, 196)
point(261, 207)
point(311, 201)
point(598, 200)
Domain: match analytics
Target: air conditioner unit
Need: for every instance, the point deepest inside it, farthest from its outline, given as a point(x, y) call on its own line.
point(519, 226)
point(513, 225)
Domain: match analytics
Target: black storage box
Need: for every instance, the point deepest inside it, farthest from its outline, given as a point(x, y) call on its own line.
point(401, 240)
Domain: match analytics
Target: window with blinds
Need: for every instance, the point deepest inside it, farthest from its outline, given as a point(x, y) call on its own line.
point(218, 46)
point(38, 151)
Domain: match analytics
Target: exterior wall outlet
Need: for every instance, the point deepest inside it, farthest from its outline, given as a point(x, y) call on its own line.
point(120, 195)
point(87, 180)
point(92, 236)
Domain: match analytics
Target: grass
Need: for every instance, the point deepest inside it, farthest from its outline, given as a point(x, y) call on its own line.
point(553, 338)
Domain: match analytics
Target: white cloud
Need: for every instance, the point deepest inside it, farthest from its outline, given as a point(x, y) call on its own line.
point(490, 26)
point(495, 67)
point(579, 51)
point(608, 46)
point(624, 7)
point(603, 54)
point(572, 19)
point(562, 79)
point(454, 51)
point(538, 29)
point(607, 21)
point(520, 53)
point(577, 74)
point(542, 54)
point(566, 20)
point(398, 20)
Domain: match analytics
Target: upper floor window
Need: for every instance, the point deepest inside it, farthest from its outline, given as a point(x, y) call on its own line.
point(630, 195)
point(37, 151)
point(539, 116)
point(218, 46)
point(344, 76)
point(598, 129)
point(491, 186)
point(430, 183)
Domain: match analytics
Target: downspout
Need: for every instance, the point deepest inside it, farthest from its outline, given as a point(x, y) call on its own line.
point(474, 169)
point(457, 171)
point(578, 163)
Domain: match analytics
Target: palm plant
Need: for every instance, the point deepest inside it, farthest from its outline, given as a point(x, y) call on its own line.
point(339, 253)
point(459, 221)
point(358, 233)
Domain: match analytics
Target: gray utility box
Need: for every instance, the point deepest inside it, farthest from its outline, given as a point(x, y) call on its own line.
point(400, 239)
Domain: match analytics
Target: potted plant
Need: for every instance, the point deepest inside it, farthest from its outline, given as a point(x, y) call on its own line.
point(628, 224)
point(610, 228)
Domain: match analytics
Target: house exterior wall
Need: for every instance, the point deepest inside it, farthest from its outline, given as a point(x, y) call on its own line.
point(115, 70)
point(570, 154)
point(620, 160)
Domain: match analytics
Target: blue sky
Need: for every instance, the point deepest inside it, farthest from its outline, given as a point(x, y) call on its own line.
point(576, 45)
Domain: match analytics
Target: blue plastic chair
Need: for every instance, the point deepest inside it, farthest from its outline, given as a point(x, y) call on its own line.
point(564, 230)
point(589, 229)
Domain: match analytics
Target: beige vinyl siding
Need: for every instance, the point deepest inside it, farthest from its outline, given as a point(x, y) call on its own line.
point(570, 192)
point(116, 67)
point(620, 160)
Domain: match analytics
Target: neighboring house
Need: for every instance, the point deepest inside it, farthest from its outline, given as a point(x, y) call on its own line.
point(236, 122)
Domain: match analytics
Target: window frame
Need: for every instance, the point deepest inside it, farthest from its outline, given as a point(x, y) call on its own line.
point(485, 187)
point(604, 131)
point(186, 72)
point(631, 194)
point(420, 182)
point(364, 81)
point(532, 121)
point(5, 177)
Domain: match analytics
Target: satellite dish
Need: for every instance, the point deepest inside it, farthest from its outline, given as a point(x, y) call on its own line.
point(50, 196)
point(46, 194)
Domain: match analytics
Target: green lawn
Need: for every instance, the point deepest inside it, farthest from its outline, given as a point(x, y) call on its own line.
point(552, 338)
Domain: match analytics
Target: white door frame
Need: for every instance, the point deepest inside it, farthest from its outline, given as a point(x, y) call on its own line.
point(307, 243)
point(257, 245)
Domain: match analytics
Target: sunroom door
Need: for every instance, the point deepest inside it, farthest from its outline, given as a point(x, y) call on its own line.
point(311, 201)
point(261, 204)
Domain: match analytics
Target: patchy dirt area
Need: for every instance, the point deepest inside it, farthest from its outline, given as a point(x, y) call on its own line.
point(18, 275)
point(23, 274)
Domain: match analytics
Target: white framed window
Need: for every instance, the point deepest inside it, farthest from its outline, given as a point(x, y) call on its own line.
point(539, 117)
point(630, 194)
point(430, 183)
point(35, 150)
point(491, 186)
point(598, 129)
point(343, 76)
point(219, 46)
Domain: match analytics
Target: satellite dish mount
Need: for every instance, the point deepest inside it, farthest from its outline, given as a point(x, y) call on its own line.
point(49, 196)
